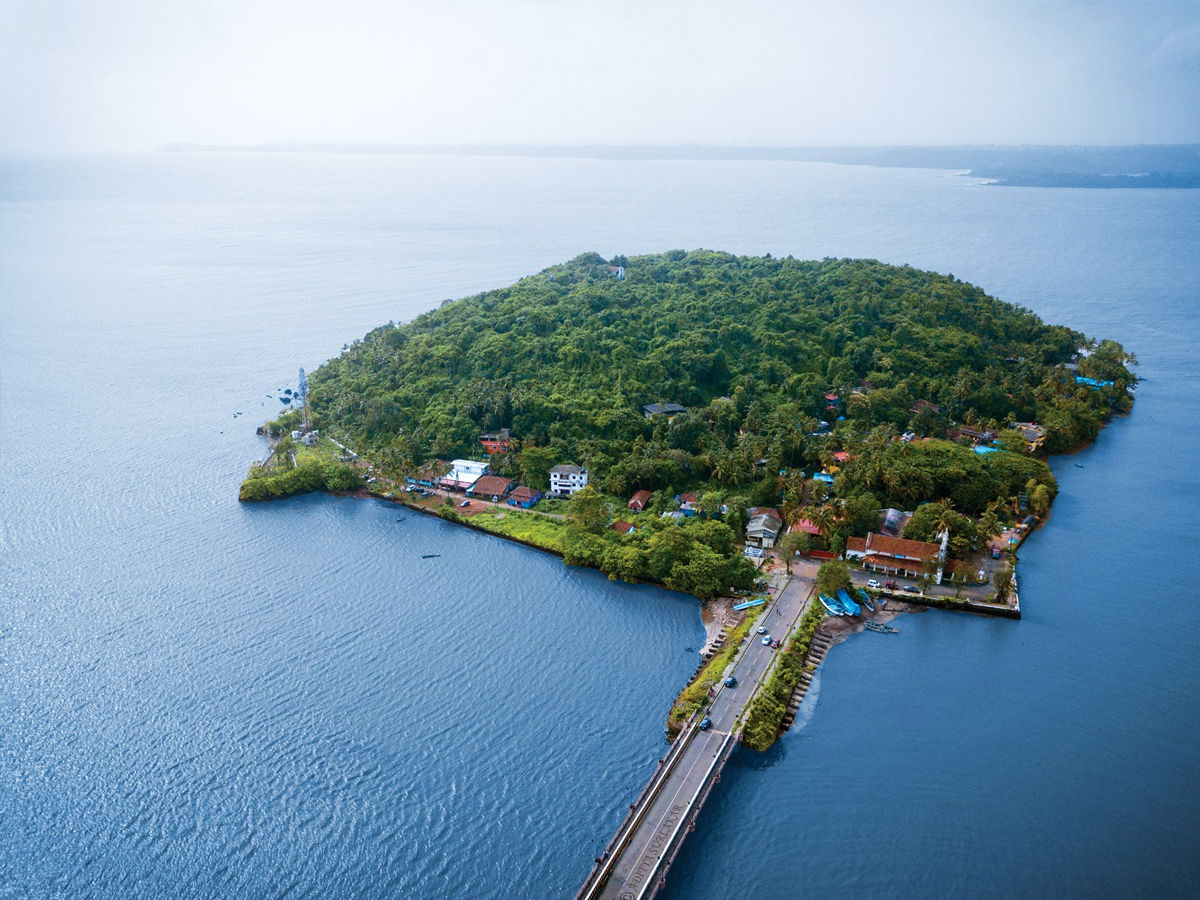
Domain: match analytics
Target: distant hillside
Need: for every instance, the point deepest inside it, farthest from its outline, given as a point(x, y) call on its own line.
point(759, 350)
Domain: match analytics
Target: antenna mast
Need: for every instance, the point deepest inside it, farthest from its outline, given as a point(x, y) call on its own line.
point(304, 402)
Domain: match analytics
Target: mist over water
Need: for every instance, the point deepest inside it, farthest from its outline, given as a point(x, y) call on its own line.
point(208, 700)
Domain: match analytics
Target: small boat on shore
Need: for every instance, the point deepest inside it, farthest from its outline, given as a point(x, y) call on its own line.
point(866, 600)
point(832, 605)
point(847, 603)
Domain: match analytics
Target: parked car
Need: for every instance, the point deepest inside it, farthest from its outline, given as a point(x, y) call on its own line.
point(762, 629)
point(465, 503)
point(872, 583)
point(705, 724)
point(730, 681)
point(912, 589)
point(775, 644)
point(766, 640)
point(891, 585)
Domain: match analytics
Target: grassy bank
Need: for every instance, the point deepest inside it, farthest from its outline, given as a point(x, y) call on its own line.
point(765, 716)
point(692, 697)
point(541, 531)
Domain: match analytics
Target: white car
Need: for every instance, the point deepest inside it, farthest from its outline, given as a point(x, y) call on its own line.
point(767, 640)
point(872, 583)
point(762, 629)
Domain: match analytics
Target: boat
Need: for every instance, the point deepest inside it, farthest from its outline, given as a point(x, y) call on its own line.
point(882, 629)
point(832, 605)
point(751, 603)
point(430, 555)
point(847, 603)
point(866, 599)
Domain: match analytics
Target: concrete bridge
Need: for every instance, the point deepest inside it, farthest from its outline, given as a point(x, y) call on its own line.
point(634, 864)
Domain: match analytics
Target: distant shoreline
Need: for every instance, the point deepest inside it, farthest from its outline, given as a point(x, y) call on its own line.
point(1137, 167)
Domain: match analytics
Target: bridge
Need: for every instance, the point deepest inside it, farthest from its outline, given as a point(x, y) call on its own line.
point(634, 864)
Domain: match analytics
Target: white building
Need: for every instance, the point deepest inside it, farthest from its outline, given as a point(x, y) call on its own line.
point(566, 479)
point(463, 473)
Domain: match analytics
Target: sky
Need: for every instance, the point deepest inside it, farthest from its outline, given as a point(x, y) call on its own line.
point(85, 75)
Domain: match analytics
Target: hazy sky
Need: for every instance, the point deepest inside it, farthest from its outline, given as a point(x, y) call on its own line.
point(130, 74)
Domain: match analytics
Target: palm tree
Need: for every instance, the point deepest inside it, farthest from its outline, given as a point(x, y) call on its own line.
point(823, 518)
point(947, 518)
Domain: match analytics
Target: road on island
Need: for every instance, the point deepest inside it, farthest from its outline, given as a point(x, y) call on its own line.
point(648, 838)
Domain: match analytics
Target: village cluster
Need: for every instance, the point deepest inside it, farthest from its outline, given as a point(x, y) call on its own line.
point(884, 551)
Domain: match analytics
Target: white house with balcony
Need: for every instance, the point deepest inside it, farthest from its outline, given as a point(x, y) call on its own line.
point(566, 479)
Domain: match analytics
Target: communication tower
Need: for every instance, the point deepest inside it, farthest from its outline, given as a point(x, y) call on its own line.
point(304, 402)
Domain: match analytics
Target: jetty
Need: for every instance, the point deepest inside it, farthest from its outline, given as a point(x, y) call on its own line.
point(634, 863)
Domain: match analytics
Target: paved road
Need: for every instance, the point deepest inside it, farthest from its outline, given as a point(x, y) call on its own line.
point(641, 861)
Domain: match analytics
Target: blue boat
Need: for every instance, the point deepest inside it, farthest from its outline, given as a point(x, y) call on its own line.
point(847, 604)
point(750, 603)
point(866, 599)
point(832, 605)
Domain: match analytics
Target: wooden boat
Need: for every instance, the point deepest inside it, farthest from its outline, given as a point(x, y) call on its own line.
point(848, 604)
point(882, 629)
point(832, 605)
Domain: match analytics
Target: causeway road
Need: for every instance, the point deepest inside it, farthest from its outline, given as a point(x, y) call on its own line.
point(635, 865)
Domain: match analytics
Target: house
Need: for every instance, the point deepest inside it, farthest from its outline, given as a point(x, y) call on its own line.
point(566, 479)
point(824, 477)
point(524, 497)
point(923, 406)
point(1034, 434)
point(676, 515)
point(429, 474)
point(763, 528)
point(639, 500)
point(496, 442)
point(976, 435)
point(662, 409)
point(689, 503)
point(764, 511)
point(490, 487)
point(804, 526)
point(463, 473)
point(621, 527)
point(619, 271)
point(1094, 383)
point(898, 556)
point(841, 457)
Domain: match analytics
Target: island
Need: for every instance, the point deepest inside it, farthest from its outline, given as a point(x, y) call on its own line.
point(710, 422)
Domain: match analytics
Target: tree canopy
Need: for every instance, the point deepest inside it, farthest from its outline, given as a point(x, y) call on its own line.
point(778, 362)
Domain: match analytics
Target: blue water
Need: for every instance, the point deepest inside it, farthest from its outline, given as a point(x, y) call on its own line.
point(204, 700)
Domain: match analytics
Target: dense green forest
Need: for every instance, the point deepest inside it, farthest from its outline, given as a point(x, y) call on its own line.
point(761, 351)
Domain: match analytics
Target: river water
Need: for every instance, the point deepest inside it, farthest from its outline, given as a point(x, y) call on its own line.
point(200, 699)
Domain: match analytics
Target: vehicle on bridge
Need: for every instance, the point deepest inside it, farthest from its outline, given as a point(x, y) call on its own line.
point(766, 640)
point(730, 681)
point(705, 724)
